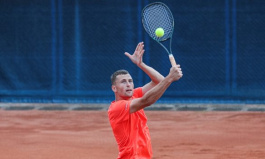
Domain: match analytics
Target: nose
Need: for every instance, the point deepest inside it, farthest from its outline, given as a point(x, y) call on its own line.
point(128, 83)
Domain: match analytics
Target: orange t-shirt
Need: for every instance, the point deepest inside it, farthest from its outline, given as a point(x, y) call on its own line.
point(130, 130)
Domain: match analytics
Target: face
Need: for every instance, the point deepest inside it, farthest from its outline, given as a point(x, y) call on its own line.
point(123, 87)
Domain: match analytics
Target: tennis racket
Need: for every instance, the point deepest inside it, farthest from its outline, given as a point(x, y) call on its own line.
point(158, 15)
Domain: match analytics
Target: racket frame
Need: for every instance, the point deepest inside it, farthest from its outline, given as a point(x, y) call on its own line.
point(169, 51)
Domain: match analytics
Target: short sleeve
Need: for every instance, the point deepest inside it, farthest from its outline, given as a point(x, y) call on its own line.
point(138, 92)
point(119, 111)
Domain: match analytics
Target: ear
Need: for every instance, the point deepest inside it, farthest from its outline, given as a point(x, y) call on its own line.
point(113, 87)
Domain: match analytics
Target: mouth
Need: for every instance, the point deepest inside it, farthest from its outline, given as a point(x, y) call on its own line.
point(128, 90)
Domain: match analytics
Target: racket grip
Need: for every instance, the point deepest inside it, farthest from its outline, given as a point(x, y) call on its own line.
point(172, 60)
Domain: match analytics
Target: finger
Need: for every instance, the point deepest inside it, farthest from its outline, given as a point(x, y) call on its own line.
point(180, 72)
point(138, 47)
point(142, 52)
point(141, 46)
point(127, 54)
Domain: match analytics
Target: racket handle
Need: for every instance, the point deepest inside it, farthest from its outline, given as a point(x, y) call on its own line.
point(172, 60)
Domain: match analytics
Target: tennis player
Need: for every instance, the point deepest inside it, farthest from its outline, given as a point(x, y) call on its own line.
point(126, 113)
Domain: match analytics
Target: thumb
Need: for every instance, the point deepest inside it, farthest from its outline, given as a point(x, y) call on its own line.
point(127, 54)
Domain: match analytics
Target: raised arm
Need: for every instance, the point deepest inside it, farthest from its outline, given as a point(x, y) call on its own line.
point(136, 58)
point(156, 92)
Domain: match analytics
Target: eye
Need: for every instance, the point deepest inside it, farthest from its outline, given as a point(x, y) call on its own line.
point(123, 81)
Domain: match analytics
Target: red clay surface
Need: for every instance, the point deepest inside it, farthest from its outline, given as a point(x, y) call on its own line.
point(175, 135)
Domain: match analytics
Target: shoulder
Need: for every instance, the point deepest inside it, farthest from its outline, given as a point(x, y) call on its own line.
point(117, 105)
point(119, 110)
point(138, 92)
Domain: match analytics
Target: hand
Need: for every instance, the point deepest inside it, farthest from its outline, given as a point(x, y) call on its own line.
point(175, 73)
point(137, 57)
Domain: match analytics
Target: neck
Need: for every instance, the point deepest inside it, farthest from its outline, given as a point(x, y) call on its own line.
point(117, 98)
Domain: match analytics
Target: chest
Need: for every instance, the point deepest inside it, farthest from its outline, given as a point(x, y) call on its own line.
point(138, 119)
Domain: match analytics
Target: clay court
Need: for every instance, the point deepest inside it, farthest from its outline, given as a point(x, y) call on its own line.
point(57, 57)
point(38, 134)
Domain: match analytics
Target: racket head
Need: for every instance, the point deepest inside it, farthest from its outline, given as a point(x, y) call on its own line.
point(158, 15)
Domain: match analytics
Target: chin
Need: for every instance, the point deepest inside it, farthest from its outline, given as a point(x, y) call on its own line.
point(127, 96)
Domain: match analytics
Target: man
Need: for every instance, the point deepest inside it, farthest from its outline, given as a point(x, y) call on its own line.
point(126, 114)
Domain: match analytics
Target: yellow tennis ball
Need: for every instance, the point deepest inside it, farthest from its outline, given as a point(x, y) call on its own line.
point(159, 32)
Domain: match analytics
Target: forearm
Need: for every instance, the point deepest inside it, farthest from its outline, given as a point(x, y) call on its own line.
point(156, 92)
point(151, 96)
point(155, 76)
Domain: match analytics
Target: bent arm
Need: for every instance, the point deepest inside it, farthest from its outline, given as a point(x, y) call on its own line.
point(137, 58)
point(157, 91)
point(151, 96)
point(155, 77)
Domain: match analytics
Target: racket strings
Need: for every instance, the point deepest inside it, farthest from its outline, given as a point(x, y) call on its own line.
point(156, 16)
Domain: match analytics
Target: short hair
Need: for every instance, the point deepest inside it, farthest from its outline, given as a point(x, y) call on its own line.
point(116, 73)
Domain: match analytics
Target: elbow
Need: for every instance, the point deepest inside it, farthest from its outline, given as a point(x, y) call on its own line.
point(160, 79)
point(157, 81)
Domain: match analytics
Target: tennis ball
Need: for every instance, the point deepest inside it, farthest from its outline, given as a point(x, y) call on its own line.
point(159, 32)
